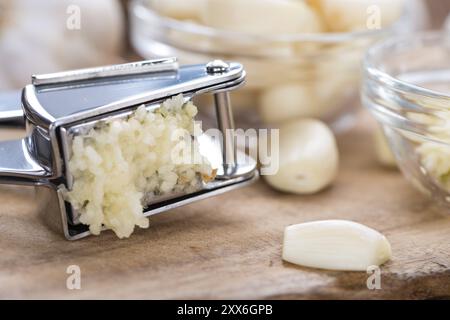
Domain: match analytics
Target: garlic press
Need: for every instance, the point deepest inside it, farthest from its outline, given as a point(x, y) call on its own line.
point(56, 107)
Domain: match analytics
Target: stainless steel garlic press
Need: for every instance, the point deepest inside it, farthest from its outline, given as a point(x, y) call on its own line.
point(56, 107)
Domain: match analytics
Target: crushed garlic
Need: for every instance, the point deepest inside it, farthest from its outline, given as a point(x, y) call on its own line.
point(122, 164)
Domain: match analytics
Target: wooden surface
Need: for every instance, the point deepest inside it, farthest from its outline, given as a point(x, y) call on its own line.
point(230, 246)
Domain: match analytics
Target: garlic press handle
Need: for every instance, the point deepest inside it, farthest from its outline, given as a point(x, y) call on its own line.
point(11, 113)
point(125, 69)
point(17, 166)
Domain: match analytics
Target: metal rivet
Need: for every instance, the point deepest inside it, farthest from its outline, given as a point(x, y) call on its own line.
point(217, 66)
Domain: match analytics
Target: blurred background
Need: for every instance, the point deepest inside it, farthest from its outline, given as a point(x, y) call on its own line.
point(303, 55)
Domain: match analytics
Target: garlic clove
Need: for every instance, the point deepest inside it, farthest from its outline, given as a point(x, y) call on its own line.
point(308, 157)
point(352, 15)
point(335, 245)
point(261, 16)
point(382, 149)
point(288, 101)
point(179, 9)
point(264, 74)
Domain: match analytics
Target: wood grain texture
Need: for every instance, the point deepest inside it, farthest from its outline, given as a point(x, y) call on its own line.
point(230, 246)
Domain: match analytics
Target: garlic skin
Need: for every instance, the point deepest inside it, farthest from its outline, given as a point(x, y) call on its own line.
point(261, 16)
point(335, 245)
point(354, 15)
point(308, 158)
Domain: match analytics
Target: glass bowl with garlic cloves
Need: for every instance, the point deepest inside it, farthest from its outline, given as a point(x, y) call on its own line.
point(302, 57)
point(407, 89)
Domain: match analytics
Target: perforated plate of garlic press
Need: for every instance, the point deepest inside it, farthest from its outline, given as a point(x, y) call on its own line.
point(57, 107)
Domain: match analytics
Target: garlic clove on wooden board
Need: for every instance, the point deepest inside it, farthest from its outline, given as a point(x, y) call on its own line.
point(335, 245)
point(308, 157)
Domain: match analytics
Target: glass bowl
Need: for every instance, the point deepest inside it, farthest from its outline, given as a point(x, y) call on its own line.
point(406, 86)
point(288, 76)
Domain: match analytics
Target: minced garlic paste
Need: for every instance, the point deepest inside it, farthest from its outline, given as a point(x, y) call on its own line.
point(121, 165)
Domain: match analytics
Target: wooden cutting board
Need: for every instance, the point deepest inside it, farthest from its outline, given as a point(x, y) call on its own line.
point(230, 246)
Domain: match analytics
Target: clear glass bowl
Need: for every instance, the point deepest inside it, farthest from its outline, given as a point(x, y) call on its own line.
point(288, 76)
point(407, 88)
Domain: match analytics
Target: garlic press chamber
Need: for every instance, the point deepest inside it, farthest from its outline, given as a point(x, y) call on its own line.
point(56, 107)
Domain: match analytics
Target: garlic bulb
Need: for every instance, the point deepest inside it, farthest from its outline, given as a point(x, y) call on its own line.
point(39, 37)
point(288, 101)
point(335, 245)
point(308, 157)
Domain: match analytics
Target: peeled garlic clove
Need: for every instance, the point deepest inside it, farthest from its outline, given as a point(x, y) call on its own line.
point(308, 157)
point(382, 150)
point(337, 75)
point(178, 9)
point(261, 16)
point(244, 99)
point(286, 102)
point(335, 245)
point(351, 15)
point(265, 73)
point(335, 93)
